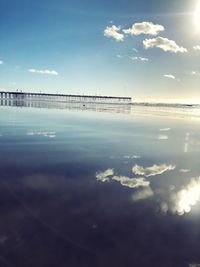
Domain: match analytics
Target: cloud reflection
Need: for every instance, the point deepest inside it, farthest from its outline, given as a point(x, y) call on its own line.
point(48, 134)
point(108, 175)
point(131, 182)
point(153, 170)
point(186, 144)
point(131, 157)
point(186, 147)
point(136, 157)
point(104, 176)
point(143, 194)
point(141, 184)
point(165, 129)
point(187, 197)
point(163, 137)
point(184, 170)
point(179, 202)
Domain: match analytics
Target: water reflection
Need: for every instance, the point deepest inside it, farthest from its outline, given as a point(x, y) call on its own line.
point(48, 134)
point(163, 137)
point(131, 157)
point(179, 202)
point(98, 189)
point(143, 194)
point(104, 176)
point(187, 197)
point(78, 106)
point(108, 175)
point(165, 129)
point(186, 144)
point(184, 170)
point(131, 182)
point(152, 170)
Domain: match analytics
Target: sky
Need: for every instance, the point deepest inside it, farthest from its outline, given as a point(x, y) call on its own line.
point(149, 50)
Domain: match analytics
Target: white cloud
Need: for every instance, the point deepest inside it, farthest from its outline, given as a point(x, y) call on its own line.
point(184, 170)
point(164, 44)
point(143, 59)
point(131, 182)
point(1, 62)
point(119, 56)
point(144, 28)
point(196, 47)
point(165, 129)
point(194, 265)
point(153, 170)
point(113, 32)
point(104, 176)
point(169, 76)
point(49, 72)
point(143, 194)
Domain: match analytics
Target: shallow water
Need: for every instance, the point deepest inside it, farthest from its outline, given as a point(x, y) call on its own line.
point(118, 187)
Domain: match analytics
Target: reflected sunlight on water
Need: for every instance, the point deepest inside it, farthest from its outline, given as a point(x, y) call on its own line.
point(187, 197)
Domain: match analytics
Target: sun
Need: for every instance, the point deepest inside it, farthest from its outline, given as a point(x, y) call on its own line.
point(197, 16)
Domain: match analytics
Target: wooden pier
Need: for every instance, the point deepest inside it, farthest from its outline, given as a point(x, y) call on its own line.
point(23, 96)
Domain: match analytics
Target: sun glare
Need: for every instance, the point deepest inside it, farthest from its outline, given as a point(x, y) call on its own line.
point(188, 197)
point(197, 16)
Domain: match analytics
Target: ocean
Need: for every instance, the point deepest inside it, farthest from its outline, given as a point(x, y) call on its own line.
point(99, 185)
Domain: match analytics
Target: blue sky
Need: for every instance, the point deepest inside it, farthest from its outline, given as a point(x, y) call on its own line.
point(70, 47)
